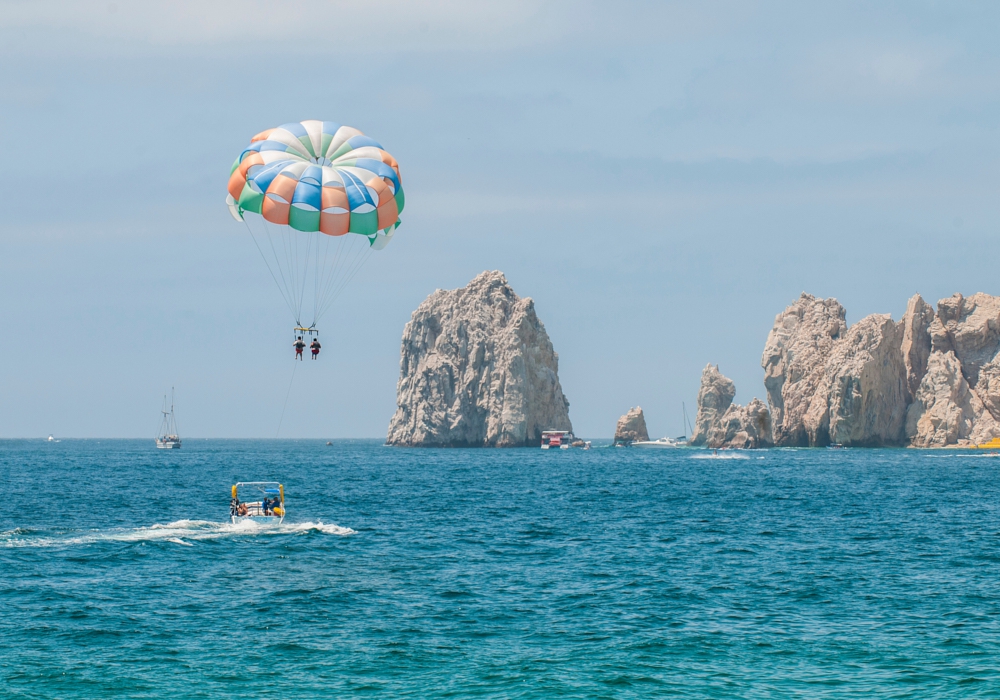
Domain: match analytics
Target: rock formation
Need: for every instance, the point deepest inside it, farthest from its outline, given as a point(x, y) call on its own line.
point(631, 427)
point(477, 369)
point(742, 427)
point(714, 398)
point(721, 423)
point(916, 345)
point(972, 328)
point(933, 379)
point(945, 410)
point(861, 398)
point(794, 363)
point(958, 399)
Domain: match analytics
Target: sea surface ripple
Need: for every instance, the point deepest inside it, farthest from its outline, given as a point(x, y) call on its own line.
point(497, 573)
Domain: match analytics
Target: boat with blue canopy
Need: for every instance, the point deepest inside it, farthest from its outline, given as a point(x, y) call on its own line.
point(269, 505)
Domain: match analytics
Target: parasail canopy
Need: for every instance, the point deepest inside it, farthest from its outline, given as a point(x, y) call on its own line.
point(316, 176)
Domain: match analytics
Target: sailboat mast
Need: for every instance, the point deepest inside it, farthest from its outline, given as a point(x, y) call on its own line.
point(173, 418)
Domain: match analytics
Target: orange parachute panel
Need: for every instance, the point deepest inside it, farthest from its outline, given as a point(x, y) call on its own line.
point(274, 211)
point(384, 191)
point(334, 197)
point(334, 224)
point(388, 213)
point(283, 186)
point(262, 136)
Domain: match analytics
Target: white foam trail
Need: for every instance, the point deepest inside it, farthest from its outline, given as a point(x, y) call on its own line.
point(721, 455)
point(177, 532)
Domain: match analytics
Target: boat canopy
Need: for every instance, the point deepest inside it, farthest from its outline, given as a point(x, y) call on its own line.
point(261, 486)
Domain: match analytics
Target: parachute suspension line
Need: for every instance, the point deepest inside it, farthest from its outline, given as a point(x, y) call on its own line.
point(342, 243)
point(344, 250)
point(288, 244)
point(361, 259)
point(349, 264)
point(264, 257)
point(286, 290)
point(316, 279)
point(331, 270)
point(322, 270)
point(285, 405)
point(305, 271)
point(288, 266)
point(293, 246)
point(352, 268)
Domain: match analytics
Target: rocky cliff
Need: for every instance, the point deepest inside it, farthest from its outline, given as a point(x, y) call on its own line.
point(794, 363)
point(861, 397)
point(714, 398)
point(742, 427)
point(631, 427)
point(932, 379)
point(958, 399)
point(477, 369)
point(721, 423)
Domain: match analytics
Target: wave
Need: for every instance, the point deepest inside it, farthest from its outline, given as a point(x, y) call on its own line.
point(182, 532)
point(722, 455)
point(962, 455)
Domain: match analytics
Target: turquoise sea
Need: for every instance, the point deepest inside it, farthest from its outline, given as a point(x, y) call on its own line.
point(608, 573)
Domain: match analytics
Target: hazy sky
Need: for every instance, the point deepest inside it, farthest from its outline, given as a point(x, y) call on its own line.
point(661, 178)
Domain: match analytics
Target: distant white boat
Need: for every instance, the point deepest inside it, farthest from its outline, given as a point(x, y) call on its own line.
point(168, 438)
point(662, 443)
point(666, 443)
point(51, 439)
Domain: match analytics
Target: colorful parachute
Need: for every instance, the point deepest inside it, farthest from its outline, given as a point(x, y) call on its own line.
point(316, 176)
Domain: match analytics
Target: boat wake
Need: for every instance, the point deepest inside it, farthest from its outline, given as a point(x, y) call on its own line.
point(181, 532)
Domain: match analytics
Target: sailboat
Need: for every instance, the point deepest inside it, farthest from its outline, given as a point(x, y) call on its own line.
point(167, 438)
point(666, 442)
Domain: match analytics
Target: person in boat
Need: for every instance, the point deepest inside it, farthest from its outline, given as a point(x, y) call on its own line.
point(242, 509)
point(315, 346)
point(234, 506)
point(299, 346)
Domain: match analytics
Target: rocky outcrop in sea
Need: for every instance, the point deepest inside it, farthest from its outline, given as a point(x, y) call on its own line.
point(794, 362)
point(722, 424)
point(742, 427)
point(930, 380)
point(631, 427)
point(958, 398)
point(715, 395)
point(477, 369)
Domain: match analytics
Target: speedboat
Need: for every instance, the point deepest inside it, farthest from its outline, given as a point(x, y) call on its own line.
point(269, 508)
point(662, 443)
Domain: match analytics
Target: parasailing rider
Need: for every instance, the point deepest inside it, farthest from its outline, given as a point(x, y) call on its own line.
point(299, 346)
point(315, 346)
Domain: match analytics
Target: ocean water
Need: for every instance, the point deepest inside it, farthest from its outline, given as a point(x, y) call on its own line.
point(607, 573)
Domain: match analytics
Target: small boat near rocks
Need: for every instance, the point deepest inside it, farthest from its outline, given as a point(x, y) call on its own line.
point(562, 440)
point(663, 443)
